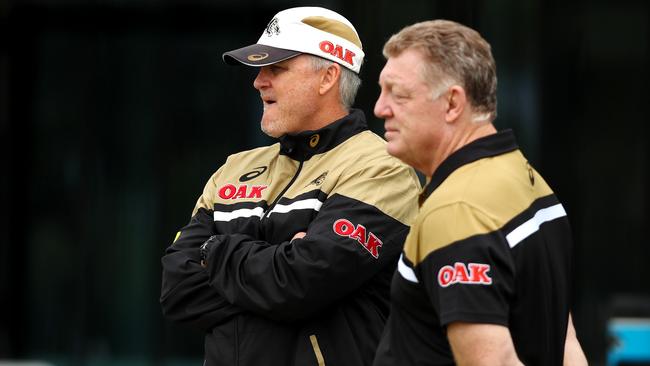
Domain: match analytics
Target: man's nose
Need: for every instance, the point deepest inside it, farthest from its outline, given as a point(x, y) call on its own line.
point(262, 79)
point(382, 110)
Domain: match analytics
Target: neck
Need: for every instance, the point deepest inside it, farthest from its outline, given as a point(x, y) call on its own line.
point(327, 114)
point(457, 137)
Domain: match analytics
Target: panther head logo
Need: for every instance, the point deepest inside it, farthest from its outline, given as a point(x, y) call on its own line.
point(272, 28)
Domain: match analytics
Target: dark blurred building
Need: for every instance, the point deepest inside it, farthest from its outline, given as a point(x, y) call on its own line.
point(114, 113)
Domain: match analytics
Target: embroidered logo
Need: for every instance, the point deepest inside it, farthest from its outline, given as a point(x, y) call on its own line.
point(272, 28)
point(313, 141)
point(531, 174)
point(471, 274)
point(337, 51)
point(359, 233)
point(253, 174)
point(257, 56)
point(232, 192)
point(318, 181)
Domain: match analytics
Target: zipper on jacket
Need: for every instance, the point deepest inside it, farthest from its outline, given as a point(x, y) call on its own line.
point(317, 351)
point(295, 176)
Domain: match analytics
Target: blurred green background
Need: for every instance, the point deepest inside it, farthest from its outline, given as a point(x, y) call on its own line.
point(114, 113)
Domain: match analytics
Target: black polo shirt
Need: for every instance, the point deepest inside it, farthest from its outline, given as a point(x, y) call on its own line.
point(491, 244)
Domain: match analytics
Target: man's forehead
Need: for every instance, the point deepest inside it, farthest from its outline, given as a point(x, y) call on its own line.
point(396, 73)
point(286, 62)
point(292, 61)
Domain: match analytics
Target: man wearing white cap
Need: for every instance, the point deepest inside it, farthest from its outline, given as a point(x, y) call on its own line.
point(290, 249)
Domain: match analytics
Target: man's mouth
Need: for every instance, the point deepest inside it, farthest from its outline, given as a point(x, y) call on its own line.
point(268, 101)
point(389, 128)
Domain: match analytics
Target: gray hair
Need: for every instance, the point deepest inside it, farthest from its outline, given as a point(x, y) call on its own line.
point(454, 54)
point(349, 82)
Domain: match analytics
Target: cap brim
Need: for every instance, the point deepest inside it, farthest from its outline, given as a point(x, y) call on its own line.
point(258, 55)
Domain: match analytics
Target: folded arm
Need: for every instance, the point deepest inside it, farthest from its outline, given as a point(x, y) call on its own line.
point(186, 296)
point(344, 247)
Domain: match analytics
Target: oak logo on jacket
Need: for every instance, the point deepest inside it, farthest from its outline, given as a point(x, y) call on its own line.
point(471, 274)
point(367, 239)
point(232, 192)
point(256, 172)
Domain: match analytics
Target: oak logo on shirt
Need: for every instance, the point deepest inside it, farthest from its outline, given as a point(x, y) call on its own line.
point(359, 233)
point(232, 192)
point(471, 274)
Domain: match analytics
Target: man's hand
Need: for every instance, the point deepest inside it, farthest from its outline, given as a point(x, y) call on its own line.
point(204, 250)
point(299, 235)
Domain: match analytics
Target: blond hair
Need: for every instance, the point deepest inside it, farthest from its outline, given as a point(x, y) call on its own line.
point(455, 54)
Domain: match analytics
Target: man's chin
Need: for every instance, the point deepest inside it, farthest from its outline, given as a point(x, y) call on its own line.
point(270, 131)
point(393, 149)
point(271, 134)
point(399, 154)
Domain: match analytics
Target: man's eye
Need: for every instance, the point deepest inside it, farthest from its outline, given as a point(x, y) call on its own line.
point(401, 97)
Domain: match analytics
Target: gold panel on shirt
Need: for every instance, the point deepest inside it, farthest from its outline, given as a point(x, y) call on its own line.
point(477, 198)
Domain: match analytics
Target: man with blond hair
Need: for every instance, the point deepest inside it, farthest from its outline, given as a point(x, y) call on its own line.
point(288, 255)
point(485, 272)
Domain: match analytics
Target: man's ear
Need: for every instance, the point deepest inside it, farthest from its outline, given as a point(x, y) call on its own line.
point(329, 77)
point(456, 103)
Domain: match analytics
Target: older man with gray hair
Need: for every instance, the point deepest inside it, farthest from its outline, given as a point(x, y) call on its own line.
point(288, 256)
point(484, 278)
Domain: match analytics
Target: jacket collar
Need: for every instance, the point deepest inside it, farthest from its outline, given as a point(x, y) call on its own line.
point(491, 145)
point(302, 146)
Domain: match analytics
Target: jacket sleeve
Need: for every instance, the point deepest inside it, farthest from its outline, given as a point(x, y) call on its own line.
point(350, 241)
point(186, 296)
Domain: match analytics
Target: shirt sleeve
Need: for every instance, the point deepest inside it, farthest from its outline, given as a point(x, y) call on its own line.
point(469, 274)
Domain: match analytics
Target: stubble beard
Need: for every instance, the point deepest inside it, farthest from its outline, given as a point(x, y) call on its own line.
point(273, 128)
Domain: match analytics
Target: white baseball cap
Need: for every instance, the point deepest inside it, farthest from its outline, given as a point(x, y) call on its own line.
point(313, 30)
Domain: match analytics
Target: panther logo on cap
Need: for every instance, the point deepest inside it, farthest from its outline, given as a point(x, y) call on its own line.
point(272, 28)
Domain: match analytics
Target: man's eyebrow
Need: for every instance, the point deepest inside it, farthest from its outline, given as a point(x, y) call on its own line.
point(387, 81)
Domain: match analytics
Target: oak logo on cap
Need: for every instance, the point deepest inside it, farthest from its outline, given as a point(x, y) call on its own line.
point(337, 51)
point(257, 56)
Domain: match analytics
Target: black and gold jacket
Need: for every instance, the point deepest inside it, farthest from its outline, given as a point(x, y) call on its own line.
point(265, 299)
